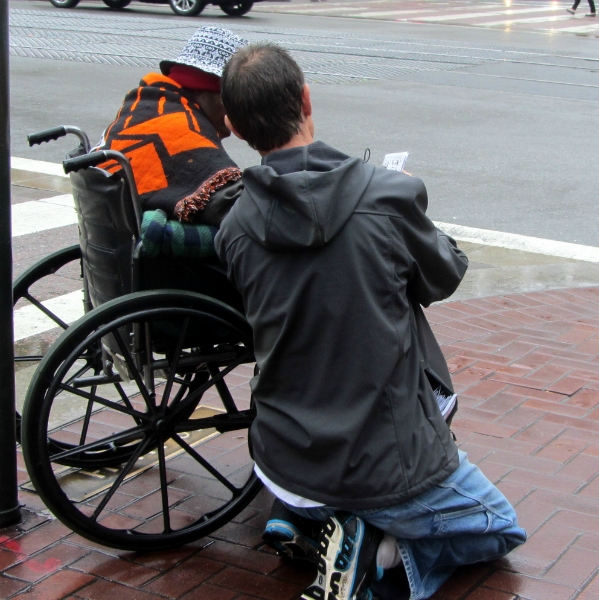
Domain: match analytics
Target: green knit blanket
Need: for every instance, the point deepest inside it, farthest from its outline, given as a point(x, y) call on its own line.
point(163, 237)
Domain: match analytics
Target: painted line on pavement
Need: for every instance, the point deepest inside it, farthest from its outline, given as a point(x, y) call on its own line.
point(41, 167)
point(41, 215)
point(547, 19)
point(506, 13)
point(514, 241)
point(61, 207)
point(30, 321)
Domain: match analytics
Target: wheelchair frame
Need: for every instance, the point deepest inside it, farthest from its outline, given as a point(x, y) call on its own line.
point(134, 394)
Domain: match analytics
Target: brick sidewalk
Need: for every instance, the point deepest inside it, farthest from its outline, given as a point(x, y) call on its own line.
point(527, 370)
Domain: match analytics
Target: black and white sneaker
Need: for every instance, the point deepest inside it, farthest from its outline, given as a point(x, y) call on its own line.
point(290, 535)
point(347, 565)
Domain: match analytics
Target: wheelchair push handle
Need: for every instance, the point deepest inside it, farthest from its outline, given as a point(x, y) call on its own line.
point(97, 158)
point(72, 165)
point(57, 132)
point(47, 135)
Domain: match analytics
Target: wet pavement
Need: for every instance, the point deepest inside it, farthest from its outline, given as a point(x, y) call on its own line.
point(521, 337)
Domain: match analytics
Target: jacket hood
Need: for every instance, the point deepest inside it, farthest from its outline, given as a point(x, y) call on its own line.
point(301, 197)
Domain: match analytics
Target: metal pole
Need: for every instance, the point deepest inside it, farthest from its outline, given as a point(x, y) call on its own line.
point(10, 511)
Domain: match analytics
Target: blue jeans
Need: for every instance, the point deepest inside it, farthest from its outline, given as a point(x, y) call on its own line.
point(462, 521)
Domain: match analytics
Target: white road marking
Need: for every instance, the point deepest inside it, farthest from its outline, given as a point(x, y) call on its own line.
point(37, 166)
point(502, 13)
point(514, 241)
point(546, 19)
point(392, 13)
point(58, 211)
point(30, 321)
point(41, 215)
point(581, 29)
point(309, 9)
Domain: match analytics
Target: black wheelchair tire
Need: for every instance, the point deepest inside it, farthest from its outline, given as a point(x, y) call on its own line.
point(154, 307)
point(43, 268)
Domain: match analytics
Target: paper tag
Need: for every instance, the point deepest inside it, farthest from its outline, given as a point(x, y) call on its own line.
point(395, 161)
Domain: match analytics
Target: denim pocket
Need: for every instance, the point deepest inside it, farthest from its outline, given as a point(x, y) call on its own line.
point(455, 512)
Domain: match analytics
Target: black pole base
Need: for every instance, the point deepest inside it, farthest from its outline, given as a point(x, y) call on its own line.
point(10, 517)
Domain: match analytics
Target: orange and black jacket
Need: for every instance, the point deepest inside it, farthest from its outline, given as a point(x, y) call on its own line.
point(172, 146)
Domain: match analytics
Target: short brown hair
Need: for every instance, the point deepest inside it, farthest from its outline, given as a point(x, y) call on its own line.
point(261, 88)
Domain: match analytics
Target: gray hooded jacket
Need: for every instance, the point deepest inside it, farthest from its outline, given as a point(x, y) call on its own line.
point(331, 255)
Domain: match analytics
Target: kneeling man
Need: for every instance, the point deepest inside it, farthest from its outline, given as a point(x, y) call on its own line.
point(334, 259)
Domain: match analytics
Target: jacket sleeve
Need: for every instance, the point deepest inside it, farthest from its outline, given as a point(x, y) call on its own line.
point(222, 245)
point(437, 265)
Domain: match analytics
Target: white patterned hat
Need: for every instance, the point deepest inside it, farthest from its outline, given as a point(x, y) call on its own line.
point(208, 49)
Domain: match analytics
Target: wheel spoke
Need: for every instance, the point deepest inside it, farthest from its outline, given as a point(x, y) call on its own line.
point(197, 394)
point(132, 367)
point(147, 368)
point(234, 490)
point(88, 414)
point(173, 369)
point(105, 402)
point(184, 386)
point(124, 437)
point(126, 469)
point(45, 310)
point(126, 400)
point(223, 390)
point(163, 487)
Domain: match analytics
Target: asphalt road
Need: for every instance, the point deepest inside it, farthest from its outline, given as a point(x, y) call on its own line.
point(500, 125)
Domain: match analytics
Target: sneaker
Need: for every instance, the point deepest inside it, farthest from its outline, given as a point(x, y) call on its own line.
point(290, 535)
point(347, 565)
point(591, 15)
point(571, 11)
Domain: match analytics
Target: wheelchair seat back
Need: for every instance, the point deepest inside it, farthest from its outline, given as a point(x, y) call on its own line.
point(107, 233)
point(113, 261)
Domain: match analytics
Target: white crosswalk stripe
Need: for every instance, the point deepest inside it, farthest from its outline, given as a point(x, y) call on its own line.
point(531, 20)
point(41, 215)
point(30, 321)
point(490, 14)
point(39, 167)
point(549, 16)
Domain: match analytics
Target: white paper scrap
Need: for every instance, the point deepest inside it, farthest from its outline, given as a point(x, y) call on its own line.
point(395, 161)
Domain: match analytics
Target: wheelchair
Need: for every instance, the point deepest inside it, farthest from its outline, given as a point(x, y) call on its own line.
point(132, 433)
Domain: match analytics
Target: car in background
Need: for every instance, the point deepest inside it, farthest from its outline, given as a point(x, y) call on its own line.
point(184, 8)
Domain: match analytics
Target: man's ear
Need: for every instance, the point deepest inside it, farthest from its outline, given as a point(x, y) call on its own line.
point(306, 101)
point(232, 128)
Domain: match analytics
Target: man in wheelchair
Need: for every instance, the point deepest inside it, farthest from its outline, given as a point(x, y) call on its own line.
point(334, 259)
point(170, 128)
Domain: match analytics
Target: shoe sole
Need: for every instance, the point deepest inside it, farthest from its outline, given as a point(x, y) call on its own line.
point(336, 569)
point(289, 542)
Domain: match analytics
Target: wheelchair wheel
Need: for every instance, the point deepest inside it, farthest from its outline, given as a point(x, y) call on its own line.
point(159, 410)
point(237, 9)
point(28, 352)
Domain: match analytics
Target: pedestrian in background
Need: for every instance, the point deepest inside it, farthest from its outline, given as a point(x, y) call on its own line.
point(593, 12)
